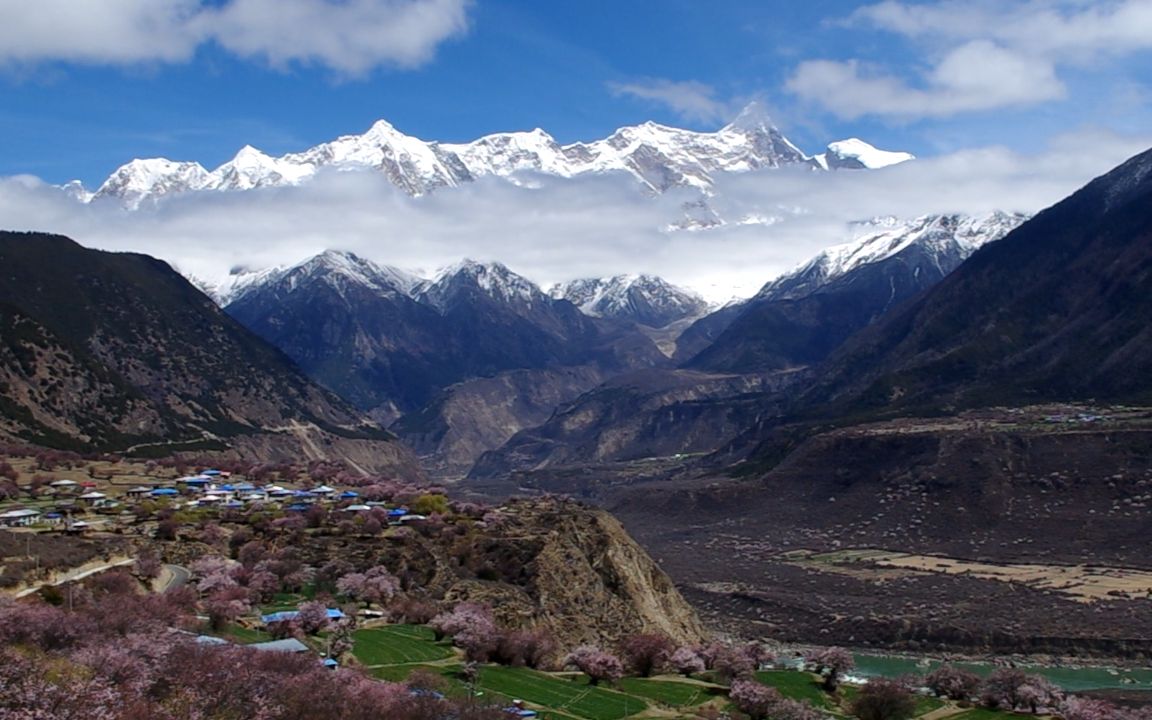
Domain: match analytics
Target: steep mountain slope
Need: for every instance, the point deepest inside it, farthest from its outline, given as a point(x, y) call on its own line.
point(502, 321)
point(760, 347)
point(465, 420)
point(351, 326)
point(958, 426)
point(388, 342)
point(657, 156)
point(645, 299)
point(1057, 310)
point(799, 318)
point(110, 351)
point(642, 415)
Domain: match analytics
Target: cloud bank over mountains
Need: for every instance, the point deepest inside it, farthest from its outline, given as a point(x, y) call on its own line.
point(553, 229)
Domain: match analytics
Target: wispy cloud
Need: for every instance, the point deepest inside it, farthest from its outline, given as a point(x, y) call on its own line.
point(552, 229)
point(978, 75)
point(979, 55)
point(692, 101)
point(350, 37)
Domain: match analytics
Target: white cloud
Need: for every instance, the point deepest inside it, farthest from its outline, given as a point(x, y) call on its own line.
point(1060, 29)
point(692, 101)
point(110, 32)
point(977, 75)
point(979, 55)
point(352, 36)
point(562, 229)
point(348, 36)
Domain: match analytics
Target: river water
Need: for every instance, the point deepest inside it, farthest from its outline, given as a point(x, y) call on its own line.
point(1070, 678)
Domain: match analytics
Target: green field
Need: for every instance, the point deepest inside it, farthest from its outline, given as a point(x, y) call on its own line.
point(399, 673)
point(796, 685)
point(669, 692)
point(980, 714)
point(244, 635)
point(562, 695)
point(393, 652)
point(925, 705)
point(397, 644)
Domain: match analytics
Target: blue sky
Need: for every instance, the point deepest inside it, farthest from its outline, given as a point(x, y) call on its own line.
point(1008, 104)
point(81, 94)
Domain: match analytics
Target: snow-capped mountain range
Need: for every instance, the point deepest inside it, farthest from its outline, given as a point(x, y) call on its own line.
point(494, 280)
point(657, 156)
point(646, 299)
point(337, 268)
point(642, 298)
point(945, 239)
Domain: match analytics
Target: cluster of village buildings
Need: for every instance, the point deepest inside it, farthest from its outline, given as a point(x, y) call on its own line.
point(208, 489)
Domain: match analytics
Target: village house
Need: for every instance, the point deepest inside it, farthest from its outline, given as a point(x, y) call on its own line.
point(19, 518)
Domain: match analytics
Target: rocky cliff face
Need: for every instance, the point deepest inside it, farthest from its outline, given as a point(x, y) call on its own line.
point(589, 581)
point(472, 417)
point(552, 564)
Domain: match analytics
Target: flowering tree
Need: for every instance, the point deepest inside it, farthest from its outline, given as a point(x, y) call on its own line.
point(795, 710)
point(458, 618)
point(263, 585)
point(759, 702)
point(340, 640)
point(226, 605)
point(252, 552)
point(471, 627)
point(730, 661)
point(1075, 708)
point(597, 664)
point(377, 585)
point(1001, 689)
point(832, 663)
point(952, 682)
point(687, 661)
point(1038, 692)
point(646, 653)
point(312, 617)
point(753, 699)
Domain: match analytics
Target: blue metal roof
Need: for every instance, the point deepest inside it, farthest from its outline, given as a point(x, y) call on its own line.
point(333, 614)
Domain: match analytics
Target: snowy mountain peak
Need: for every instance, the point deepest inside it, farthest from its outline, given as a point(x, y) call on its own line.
point(855, 154)
point(646, 299)
point(658, 156)
point(944, 240)
point(381, 129)
point(468, 278)
point(338, 269)
point(151, 178)
point(753, 118)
